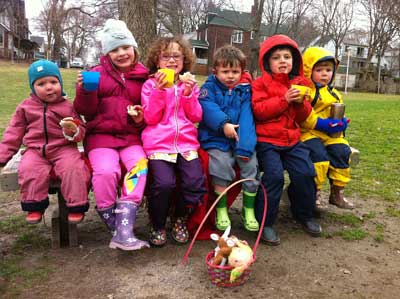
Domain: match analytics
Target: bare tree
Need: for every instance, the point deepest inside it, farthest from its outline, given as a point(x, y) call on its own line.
point(383, 26)
point(258, 9)
point(326, 11)
point(53, 21)
point(276, 13)
point(183, 16)
point(341, 23)
point(298, 9)
point(140, 17)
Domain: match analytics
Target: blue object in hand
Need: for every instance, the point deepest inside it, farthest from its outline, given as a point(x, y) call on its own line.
point(331, 125)
point(90, 80)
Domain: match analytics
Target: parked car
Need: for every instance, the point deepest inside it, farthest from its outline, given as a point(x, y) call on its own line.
point(77, 62)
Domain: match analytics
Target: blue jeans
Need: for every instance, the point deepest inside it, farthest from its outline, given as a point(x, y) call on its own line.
point(273, 161)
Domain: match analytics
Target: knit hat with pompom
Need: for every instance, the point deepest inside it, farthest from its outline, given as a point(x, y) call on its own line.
point(116, 34)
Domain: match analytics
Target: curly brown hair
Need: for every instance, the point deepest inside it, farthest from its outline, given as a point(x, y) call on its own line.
point(161, 44)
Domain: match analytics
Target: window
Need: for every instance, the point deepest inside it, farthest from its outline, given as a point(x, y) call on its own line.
point(252, 34)
point(237, 36)
point(360, 51)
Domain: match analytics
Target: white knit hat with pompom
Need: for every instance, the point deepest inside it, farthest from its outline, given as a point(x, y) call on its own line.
point(116, 34)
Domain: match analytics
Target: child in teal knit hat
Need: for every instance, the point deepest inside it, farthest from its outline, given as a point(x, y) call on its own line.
point(49, 128)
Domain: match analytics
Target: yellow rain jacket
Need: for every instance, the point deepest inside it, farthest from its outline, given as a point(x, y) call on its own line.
point(321, 98)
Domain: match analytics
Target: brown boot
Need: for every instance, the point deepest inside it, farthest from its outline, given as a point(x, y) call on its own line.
point(337, 198)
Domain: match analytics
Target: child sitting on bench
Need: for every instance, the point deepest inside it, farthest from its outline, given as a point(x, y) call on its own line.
point(48, 126)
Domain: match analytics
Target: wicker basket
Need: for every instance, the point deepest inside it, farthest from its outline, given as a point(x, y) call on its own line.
point(220, 275)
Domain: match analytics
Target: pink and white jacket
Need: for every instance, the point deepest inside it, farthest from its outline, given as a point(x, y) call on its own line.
point(170, 118)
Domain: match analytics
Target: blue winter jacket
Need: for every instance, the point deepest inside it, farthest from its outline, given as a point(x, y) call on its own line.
point(223, 105)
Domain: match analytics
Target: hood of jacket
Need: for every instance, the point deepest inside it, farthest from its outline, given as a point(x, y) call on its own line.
point(268, 46)
point(312, 56)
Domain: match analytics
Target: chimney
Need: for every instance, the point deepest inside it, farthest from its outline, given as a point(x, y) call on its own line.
point(253, 10)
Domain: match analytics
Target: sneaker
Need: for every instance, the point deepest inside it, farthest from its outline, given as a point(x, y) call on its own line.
point(158, 237)
point(179, 231)
point(270, 236)
point(75, 218)
point(34, 217)
point(312, 228)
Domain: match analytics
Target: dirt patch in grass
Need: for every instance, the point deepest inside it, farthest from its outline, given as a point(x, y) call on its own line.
point(301, 267)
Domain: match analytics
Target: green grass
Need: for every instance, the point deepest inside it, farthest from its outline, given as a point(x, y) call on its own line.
point(375, 131)
point(20, 277)
point(393, 212)
point(28, 239)
point(352, 234)
point(346, 219)
point(379, 230)
point(27, 236)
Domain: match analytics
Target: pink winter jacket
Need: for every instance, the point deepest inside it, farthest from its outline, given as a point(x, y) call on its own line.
point(170, 118)
point(36, 125)
point(105, 110)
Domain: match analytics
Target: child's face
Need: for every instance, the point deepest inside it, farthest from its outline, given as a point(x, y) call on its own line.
point(322, 73)
point(281, 61)
point(171, 58)
point(228, 75)
point(48, 89)
point(122, 57)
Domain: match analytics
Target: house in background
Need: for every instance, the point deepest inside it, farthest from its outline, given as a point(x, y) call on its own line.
point(39, 53)
point(14, 32)
point(223, 27)
point(353, 55)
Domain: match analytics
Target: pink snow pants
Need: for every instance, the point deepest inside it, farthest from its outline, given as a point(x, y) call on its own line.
point(68, 165)
point(107, 174)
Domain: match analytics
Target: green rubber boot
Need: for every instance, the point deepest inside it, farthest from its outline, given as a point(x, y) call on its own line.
point(222, 220)
point(249, 218)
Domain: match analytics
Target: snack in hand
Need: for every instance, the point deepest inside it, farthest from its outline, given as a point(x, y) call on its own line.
point(132, 111)
point(69, 123)
point(186, 77)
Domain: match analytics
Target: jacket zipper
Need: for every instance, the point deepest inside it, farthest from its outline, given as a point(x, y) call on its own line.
point(176, 119)
point(45, 130)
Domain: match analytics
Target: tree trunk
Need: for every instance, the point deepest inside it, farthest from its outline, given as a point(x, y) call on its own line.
point(140, 17)
point(255, 42)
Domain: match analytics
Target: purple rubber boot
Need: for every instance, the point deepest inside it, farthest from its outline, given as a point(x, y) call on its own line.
point(125, 222)
point(108, 217)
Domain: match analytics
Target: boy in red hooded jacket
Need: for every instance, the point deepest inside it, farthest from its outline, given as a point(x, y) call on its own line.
point(278, 108)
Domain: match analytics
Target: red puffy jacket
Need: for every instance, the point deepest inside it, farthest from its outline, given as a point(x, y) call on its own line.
point(276, 120)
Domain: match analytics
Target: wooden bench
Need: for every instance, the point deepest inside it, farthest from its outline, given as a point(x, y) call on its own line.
point(63, 233)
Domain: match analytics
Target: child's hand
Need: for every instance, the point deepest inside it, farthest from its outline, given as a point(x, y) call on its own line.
point(79, 79)
point(136, 112)
point(69, 126)
point(293, 95)
point(230, 132)
point(161, 80)
point(189, 84)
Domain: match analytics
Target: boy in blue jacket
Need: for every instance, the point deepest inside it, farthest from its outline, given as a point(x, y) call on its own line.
point(227, 132)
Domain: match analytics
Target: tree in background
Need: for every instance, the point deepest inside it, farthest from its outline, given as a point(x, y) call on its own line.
point(55, 20)
point(383, 19)
point(335, 19)
point(140, 17)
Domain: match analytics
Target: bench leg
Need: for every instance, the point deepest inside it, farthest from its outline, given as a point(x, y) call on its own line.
point(64, 234)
